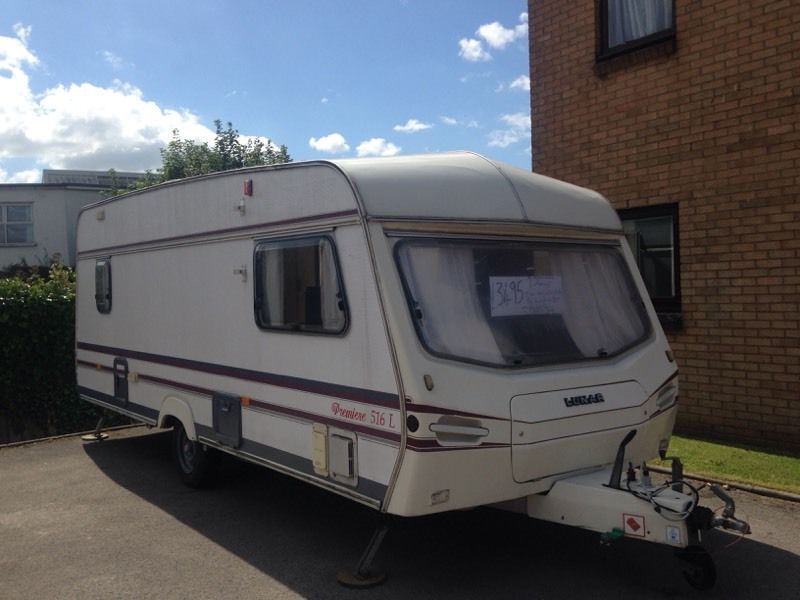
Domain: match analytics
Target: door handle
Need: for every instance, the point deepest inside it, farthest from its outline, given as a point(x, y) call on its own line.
point(459, 429)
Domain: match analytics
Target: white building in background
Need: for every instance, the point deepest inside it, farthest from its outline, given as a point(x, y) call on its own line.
point(37, 220)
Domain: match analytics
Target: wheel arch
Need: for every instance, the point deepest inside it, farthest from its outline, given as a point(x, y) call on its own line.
point(176, 409)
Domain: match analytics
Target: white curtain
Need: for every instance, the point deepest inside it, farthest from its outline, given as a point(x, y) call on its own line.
point(332, 315)
point(633, 19)
point(599, 309)
point(273, 282)
point(442, 281)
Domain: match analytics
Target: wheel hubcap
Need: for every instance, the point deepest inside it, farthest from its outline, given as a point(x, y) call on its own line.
point(187, 453)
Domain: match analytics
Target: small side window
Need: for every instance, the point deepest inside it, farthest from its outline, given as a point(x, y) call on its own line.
point(298, 286)
point(102, 285)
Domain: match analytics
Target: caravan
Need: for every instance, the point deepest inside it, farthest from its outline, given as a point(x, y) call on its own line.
point(418, 333)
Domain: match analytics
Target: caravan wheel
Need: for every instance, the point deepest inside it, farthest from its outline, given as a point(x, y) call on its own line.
point(191, 457)
point(699, 569)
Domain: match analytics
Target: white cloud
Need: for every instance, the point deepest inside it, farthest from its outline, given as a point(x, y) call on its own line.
point(22, 32)
point(472, 50)
point(499, 37)
point(27, 176)
point(112, 59)
point(324, 100)
point(453, 122)
point(14, 51)
point(518, 129)
point(523, 82)
point(377, 147)
point(332, 143)
point(518, 120)
point(495, 35)
point(473, 76)
point(412, 126)
point(82, 125)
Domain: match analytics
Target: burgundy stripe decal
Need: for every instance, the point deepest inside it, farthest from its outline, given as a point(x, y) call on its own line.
point(96, 366)
point(395, 437)
point(285, 410)
point(177, 384)
point(417, 445)
point(384, 399)
point(189, 236)
point(439, 410)
point(431, 445)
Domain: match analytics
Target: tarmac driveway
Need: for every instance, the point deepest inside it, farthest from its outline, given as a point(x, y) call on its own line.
point(112, 520)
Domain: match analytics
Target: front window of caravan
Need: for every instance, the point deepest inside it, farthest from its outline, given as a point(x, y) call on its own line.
point(520, 303)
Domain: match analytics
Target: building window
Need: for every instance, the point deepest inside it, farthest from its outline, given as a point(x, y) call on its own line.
point(626, 25)
point(16, 224)
point(298, 287)
point(102, 285)
point(652, 233)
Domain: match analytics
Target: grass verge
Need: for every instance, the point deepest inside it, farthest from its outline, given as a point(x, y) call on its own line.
point(737, 463)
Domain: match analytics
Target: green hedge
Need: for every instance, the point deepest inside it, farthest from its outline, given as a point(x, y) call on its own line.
point(38, 394)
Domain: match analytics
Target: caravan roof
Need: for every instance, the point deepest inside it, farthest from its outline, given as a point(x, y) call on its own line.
point(455, 186)
point(468, 186)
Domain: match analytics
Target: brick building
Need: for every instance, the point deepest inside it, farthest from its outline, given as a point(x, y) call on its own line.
point(685, 114)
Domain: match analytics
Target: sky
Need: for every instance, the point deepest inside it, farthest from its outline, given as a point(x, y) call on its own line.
point(102, 84)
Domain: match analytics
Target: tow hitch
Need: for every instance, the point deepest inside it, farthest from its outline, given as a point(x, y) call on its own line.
point(619, 506)
point(728, 520)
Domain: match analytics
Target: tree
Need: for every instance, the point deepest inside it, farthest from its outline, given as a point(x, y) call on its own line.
point(187, 158)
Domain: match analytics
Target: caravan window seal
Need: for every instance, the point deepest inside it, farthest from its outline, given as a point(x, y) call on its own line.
point(259, 286)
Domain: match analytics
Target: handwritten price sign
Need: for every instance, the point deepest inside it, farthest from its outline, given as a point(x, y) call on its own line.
point(514, 296)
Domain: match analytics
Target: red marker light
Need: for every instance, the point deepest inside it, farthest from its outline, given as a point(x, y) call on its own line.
point(247, 187)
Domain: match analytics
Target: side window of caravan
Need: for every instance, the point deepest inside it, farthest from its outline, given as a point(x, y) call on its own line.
point(298, 287)
point(102, 285)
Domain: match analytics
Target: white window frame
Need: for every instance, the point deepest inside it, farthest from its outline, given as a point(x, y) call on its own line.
point(4, 223)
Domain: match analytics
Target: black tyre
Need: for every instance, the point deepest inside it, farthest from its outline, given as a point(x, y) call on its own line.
point(699, 570)
point(191, 458)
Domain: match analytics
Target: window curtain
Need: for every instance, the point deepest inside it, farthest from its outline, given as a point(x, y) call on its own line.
point(598, 301)
point(332, 315)
point(273, 283)
point(442, 281)
point(633, 19)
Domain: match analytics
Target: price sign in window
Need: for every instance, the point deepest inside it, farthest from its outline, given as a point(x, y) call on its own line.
point(515, 296)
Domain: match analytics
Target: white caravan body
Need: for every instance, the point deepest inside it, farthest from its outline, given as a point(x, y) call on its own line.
point(418, 333)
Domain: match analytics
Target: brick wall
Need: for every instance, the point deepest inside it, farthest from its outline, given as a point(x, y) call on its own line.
point(712, 123)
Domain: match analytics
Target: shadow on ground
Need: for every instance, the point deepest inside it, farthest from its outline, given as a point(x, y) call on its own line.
point(301, 535)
